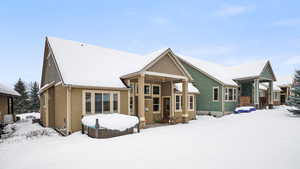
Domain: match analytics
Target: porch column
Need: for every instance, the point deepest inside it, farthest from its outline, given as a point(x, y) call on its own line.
point(256, 93)
point(185, 114)
point(172, 101)
point(270, 95)
point(141, 101)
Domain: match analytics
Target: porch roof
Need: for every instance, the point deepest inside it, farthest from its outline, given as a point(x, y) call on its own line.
point(5, 90)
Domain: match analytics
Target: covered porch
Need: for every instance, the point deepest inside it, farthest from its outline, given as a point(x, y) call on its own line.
point(249, 94)
point(153, 98)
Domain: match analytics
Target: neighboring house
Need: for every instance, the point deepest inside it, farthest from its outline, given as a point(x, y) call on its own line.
point(223, 88)
point(7, 95)
point(285, 84)
point(263, 95)
point(79, 79)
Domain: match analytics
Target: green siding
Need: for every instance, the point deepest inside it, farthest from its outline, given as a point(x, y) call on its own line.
point(205, 85)
point(246, 89)
point(230, 106)
point(267, 73)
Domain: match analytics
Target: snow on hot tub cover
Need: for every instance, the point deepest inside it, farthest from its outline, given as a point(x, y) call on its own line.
point(114, 121)
point(244, 109)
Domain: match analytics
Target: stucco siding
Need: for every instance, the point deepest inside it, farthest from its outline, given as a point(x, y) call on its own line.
point(124, 102)
point(204, 101)
point(60, 106)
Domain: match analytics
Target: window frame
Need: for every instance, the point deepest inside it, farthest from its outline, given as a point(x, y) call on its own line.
point(150, 91)
point(189, 102)
point(111, 101)
point(180, 103)
point(159, 105)
point(227, 94)
point(159, 87)
point(213, 94)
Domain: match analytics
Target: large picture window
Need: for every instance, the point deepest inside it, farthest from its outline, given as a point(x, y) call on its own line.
point(101, 102)
point(215, 93)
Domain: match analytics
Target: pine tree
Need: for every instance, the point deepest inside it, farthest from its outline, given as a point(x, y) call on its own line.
point(34, 97)
point(21, 103)
point(294, 99)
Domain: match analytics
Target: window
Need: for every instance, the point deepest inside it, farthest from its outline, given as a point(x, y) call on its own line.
point(215, 93)
point(178, 102)
point(276, 96)
point(88, 99)
point(131, 104)
point(115, 102)
point(147, 89)
point(234, 94)
point(191, 102)
point(226, 93)
point(98, 102)
point(156, 90)
point(106, 102)
point(155, 104)
point(230, 94)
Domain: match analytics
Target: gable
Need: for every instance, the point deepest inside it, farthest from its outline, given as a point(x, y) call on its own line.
point(267, 72)
point(166, 65)
point(50, 72)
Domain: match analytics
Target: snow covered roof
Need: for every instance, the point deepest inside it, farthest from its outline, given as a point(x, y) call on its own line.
point(226, 74)
point(263, 86)
point(80, 63)
point(284, 80)
point(7, 90)
point(191, 88)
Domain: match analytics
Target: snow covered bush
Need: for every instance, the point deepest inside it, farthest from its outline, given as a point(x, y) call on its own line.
point(294, 99)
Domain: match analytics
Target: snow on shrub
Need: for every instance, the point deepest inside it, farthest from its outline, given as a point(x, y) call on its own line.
point(33, 115)
point(244, 109)
point(114, 121)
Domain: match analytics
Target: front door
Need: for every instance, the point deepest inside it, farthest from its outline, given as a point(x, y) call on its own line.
point(166, 109)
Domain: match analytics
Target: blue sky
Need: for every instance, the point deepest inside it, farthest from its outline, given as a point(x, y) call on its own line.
point(226, 32)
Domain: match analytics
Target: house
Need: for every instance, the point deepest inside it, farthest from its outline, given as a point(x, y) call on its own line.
point(263, 95)
point(7, 95)
point(79, 79)
point(223, 88)
point(285, 84)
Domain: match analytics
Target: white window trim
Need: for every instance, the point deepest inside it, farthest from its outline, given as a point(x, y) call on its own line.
point(234, 99)
point(213, 96)
point(180, 103)
point(93, 100)
point(189, 102)
point(150, 89)
point(159, 104)
point(159, 90)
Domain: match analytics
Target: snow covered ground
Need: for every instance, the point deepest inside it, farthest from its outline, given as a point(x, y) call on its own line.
point(263, 139)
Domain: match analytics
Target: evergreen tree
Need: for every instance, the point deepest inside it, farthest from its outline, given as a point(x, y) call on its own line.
point(294, 99)
point(34, 97)
point(21, 103)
